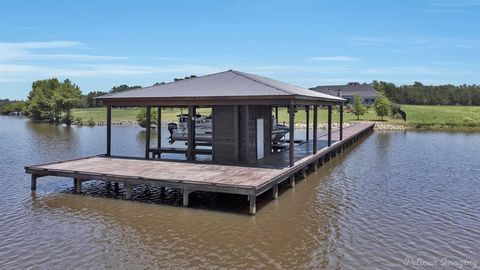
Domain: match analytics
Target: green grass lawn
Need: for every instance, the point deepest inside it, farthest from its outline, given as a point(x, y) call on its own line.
point(425, 117)
point(127, 114)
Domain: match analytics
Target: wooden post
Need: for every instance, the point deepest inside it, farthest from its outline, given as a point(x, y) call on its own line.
point(116, 188)
point(307, 120)
point(186, 193)
point(315, 127)
point(190, 134)
point(147, 133)
point(275, 191)
point(109, 131)
point(194, 131)
point(291, 135)
point(247, 120)
point(292, 180)
point(159, 127)
point(253, 204)
point(341, 122)
point(128, 191)
point(78, 185)
point(33, 184)
point(236, 143)
point(276, 113)
point(329, 125)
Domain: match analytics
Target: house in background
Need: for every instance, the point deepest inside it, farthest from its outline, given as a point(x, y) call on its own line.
point(349, 91)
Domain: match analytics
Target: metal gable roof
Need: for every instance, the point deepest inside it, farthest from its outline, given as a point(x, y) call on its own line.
point(224, 84)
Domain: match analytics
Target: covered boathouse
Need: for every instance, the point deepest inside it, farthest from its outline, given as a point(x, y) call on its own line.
point(243, 157)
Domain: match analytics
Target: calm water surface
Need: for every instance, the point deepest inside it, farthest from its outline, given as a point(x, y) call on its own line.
point(397, 197)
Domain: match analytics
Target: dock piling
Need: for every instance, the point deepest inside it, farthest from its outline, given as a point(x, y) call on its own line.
point(292, 180)
point(78, 185)
point(186, 195)
point(303, 173)
point(116, 188)
point(275, 191)
point(128, 191)
point(253, 204)
point(33, 184)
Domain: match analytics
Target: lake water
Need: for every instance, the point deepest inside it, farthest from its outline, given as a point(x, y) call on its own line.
point(397, 200)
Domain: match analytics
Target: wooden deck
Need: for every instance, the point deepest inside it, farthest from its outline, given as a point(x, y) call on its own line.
point(194, 176)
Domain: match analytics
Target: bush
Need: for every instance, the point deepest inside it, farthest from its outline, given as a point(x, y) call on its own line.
point(142, 117)
point(67, 119)
point(79, 121)
point(91, 122)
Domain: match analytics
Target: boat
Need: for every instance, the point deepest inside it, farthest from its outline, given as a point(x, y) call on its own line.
point(203, 130)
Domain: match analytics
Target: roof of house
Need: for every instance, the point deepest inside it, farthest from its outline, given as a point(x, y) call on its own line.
point(351, 89)
point(228, 84)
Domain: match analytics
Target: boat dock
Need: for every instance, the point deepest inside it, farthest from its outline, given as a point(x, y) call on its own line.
point(190, 176)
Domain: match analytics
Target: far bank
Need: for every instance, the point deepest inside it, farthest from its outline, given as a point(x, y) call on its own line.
point(418, 116)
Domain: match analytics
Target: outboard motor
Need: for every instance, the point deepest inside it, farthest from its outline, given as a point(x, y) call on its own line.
point(172, 127)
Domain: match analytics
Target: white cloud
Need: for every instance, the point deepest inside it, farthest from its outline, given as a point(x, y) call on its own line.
point(174, 59)
point(340, 58)
point(41, 44)
point(14, 71)
point(27, 51)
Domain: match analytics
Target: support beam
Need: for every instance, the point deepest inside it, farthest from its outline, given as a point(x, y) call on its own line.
point(78, 185)
point(275, 191)
point(307, 124)
point(276, 114)
point(109, 131)
point(291, 109)
point(128, 191)
point(159, 128)
point(116, 188)
point(236, 135)
point(147, 133)
point(341, 122)
point(186, 194)
point(329, 125)
point(33, 184)
point(315, 127)
point(253, 204)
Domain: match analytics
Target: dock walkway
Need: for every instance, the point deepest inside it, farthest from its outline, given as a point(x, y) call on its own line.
point(200, 176)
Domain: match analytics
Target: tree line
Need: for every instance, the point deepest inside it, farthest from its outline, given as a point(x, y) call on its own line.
point(52, 100)
point(420, 94)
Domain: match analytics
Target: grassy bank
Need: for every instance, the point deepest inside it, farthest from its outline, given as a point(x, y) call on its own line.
point(421, 117)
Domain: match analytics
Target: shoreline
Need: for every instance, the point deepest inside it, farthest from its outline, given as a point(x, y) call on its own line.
point(379, 125)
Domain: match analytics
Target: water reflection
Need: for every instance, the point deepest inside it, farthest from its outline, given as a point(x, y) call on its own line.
point(395, 195)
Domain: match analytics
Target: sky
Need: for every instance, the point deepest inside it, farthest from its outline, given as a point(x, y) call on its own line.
point(100, 44)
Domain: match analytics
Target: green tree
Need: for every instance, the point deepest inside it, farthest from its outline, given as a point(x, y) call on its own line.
point(12, 106)
point(142, 117)
point(49, 99)
point(90, 98)
point(67, 97)
point(123, 87)
point(359, 107)
point(382, 106)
